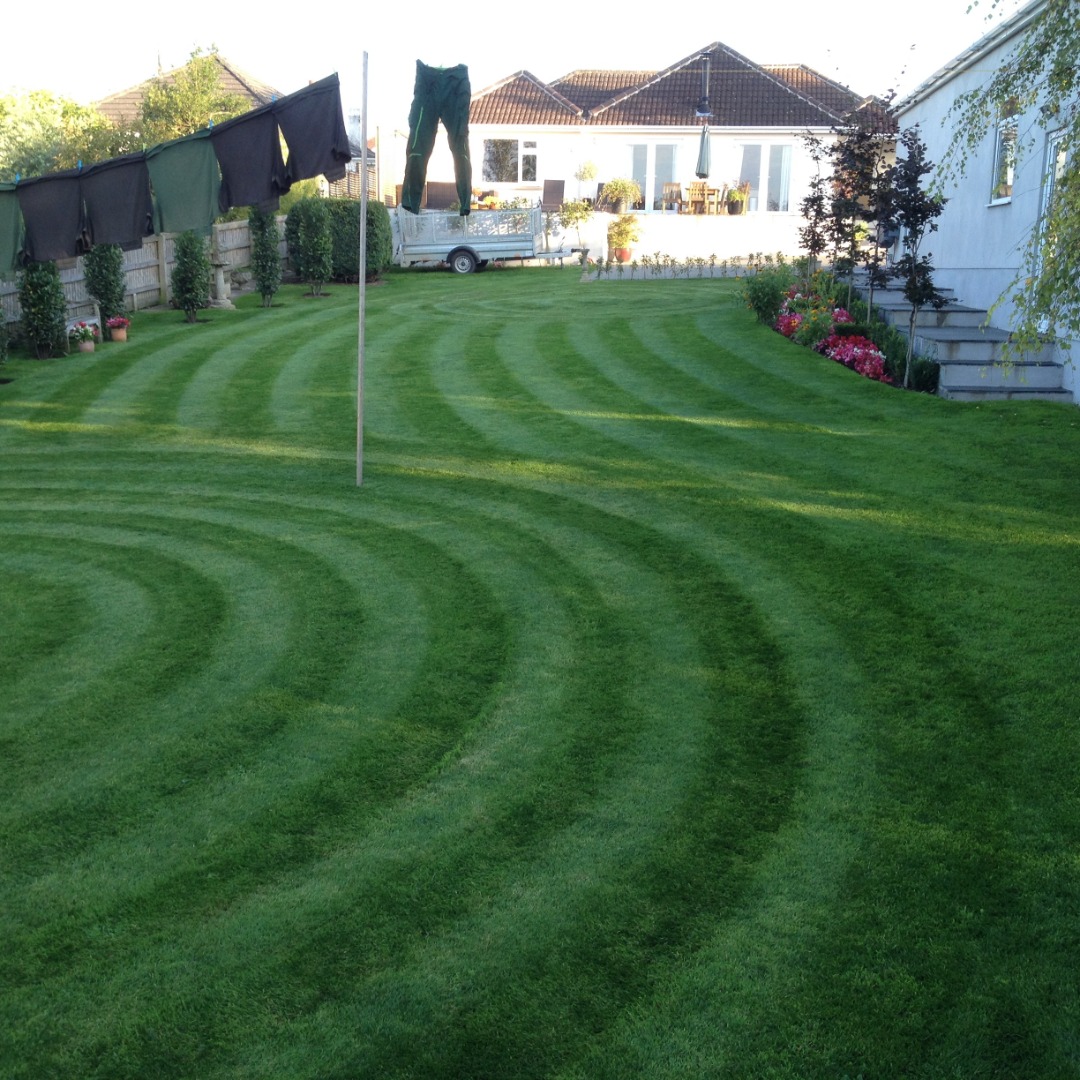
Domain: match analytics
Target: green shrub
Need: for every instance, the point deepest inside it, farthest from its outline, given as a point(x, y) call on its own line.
point(311, 247)
point(44, 309)
point(344, 228)
point(380, 239)
point(816, 325)
point(345, 233)
point(265, 258)
point(344, 238)
point(852, 329)
point(191, 275)
point(3, 339)
point(766, 290)
point(103, 266)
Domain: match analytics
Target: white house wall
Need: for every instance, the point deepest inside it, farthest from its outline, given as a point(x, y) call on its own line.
point(977, 249)
point(561, 151)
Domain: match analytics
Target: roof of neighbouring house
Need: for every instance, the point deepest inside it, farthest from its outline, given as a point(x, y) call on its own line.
point(123, 106)
point(740, 94)
point(523, 98)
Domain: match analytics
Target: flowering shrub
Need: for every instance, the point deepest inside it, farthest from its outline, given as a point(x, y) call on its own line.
point(816, 324)
point(788, 323)
point(858, 353)
point(118, 322)
point(811, 317)
point(83, 331)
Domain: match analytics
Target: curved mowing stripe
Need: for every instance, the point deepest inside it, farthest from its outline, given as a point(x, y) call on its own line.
point(633, 719)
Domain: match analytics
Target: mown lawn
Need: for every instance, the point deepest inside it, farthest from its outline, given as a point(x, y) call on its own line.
point(669, 702)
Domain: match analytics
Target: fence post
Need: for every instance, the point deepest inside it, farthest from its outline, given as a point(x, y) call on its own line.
point(164, 284)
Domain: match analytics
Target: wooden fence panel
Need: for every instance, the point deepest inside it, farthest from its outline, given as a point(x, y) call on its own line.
point(147, 271)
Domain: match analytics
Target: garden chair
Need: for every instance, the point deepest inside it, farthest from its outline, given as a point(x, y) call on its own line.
point(441, 196)
point(673, 197)
point(552, 199)
point(695, 199)
point(714, 199)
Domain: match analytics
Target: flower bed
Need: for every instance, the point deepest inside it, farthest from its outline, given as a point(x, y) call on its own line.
point(817, 321)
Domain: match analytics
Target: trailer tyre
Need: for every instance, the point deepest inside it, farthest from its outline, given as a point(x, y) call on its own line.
point(462, 261)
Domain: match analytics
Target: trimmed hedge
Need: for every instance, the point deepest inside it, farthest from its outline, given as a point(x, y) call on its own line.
point(44, 309)
point(344, 234)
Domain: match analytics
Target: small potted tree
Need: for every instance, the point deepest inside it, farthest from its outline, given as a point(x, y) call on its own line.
point(621, 233)
point(622, 193)
point(572, 215)
point(584, 172)
point(737, 197)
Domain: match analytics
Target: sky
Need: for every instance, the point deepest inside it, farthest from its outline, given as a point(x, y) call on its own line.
point(869, 48)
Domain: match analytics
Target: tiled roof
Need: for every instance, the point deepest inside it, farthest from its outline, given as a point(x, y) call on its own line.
point(590, 89)
point(812, 84)
point(740, 93)
point(522, 98)
point(123, 106)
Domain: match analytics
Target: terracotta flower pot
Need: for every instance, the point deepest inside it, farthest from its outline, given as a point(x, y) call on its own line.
point(86, 346)
point(118, 333)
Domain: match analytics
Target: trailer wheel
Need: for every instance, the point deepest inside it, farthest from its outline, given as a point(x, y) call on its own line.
point(462, 261)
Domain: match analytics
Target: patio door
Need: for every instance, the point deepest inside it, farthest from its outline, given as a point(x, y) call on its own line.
point(639, 166)
point(652, 166)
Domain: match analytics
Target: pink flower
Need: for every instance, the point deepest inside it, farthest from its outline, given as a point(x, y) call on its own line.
point(789, 324)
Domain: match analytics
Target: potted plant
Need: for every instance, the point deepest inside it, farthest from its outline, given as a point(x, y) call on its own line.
point(622, 192)
point(84, 335)
point(118, 327)
point(585, 171)
point(621, 233)
point(736, 198)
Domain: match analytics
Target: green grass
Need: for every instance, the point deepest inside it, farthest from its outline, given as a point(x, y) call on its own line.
point(668, 702)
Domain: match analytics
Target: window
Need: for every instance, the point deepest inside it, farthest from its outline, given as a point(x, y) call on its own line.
point(1004, 160)
point(779, 177)
point(775, 179)
point(528, 161)
point(504, 164)
point(750, 173)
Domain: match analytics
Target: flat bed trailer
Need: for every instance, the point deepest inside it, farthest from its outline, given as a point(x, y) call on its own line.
point(467, 243)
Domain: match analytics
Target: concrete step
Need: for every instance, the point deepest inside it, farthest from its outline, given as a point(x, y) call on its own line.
point(1023, 374)
point(971, 354)
point(959, 392)
point(898, 311)
point(984, 345)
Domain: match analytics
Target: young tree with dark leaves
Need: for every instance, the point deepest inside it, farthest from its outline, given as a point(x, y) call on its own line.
point(915, 211)
point(815, 207)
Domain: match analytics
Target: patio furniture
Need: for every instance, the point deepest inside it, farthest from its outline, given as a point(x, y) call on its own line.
point(440, 195)
point(714, 199)
point(673, 197)
point(695, 198)
point(552, 199)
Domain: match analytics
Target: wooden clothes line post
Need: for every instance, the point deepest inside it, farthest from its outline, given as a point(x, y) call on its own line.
point(362, 300)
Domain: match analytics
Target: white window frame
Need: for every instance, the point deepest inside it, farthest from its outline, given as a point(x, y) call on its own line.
point(760, 184)
point(526, 150)
point(1004, 161)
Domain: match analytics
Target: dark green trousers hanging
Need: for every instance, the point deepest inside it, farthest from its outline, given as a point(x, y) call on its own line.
point(440, 94)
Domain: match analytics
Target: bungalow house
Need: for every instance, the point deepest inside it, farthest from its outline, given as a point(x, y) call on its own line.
point(647, 125)
point(994, 208)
